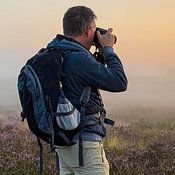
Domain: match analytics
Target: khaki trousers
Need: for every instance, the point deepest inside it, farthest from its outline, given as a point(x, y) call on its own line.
point(95, 162)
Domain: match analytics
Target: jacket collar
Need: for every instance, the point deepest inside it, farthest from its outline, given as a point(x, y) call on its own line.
point(67, 44)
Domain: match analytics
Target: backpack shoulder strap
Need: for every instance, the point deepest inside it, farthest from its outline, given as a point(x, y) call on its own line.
point(83, 102)
point(85, 96)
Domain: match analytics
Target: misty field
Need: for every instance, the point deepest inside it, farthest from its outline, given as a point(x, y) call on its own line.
point(138, 147)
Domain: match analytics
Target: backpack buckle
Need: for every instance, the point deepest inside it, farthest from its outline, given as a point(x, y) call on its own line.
point(23, 116)
point(84, 104)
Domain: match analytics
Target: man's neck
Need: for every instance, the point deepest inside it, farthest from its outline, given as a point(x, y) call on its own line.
point(81, 40)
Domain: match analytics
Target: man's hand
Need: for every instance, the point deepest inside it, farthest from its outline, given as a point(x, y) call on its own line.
point(107, 39)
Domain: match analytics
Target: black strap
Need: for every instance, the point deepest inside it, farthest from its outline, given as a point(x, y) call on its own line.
point(81, 162)
point(83, 102)
point(41, 162)
point(64, 113)
point(57, 161)
point(109, 121)
point(97, 119)
point(52, 132)
point(85, 96)
point(50, 121)
point(23, 116)
point(65, 138)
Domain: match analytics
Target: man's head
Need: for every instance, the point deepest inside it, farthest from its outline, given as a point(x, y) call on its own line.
point(79, 24)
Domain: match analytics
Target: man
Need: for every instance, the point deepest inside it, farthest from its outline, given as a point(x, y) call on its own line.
point(81, 70)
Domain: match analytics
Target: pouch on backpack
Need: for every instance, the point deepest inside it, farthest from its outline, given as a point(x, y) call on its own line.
point(68, 116)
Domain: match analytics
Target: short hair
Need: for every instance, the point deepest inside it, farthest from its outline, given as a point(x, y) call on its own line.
point(76, 19)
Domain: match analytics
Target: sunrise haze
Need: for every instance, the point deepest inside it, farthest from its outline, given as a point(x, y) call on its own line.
point(146, 41)
point(145, 31)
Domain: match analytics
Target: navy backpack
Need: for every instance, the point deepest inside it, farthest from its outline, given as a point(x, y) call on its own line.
point(50, 115)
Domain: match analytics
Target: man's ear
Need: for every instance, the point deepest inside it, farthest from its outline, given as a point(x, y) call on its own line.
point(87, 31)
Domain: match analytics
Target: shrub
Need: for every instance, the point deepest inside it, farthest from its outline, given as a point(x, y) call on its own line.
point(141, 148)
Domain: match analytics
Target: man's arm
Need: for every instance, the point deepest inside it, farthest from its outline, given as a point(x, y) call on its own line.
point(111, 78)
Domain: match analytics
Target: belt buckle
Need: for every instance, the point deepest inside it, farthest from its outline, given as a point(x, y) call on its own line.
point(98, 114)
point(99, 118)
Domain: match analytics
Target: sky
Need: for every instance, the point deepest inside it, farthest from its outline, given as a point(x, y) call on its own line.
point(145, 30)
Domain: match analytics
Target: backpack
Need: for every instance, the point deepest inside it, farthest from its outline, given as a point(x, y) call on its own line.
point(50, 115)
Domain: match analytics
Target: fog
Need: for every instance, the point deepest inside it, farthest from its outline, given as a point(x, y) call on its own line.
point(143, 90)
point(8, 91)
point(147, 97)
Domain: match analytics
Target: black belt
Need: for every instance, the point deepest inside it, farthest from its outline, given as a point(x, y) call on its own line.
point(97, 119)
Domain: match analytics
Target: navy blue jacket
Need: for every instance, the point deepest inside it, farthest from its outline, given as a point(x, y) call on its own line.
point(80, 69)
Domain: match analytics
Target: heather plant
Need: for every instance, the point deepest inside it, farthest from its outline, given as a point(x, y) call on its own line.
point(19, 152)
point(141, 148)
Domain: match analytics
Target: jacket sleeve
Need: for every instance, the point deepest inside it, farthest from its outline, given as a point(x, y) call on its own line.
point(109, 78)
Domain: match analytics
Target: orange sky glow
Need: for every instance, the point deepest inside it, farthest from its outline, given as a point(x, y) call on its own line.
point(145, 31)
